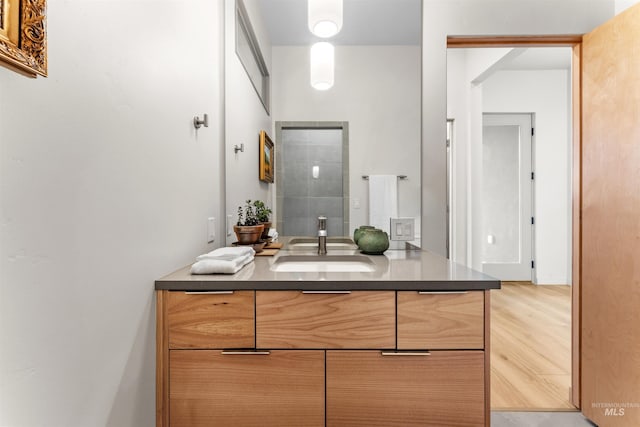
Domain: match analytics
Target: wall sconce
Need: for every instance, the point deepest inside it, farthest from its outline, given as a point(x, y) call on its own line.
point(322, 65)
point(325, 17)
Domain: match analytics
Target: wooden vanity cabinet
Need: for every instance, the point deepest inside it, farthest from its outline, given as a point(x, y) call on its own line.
point(296, 319)
point(237, 388)
point(271, 358)
point(218, 319)
point(441, 320)
point(373, 388)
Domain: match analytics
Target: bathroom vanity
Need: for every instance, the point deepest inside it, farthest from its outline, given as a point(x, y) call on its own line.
point(405, 343)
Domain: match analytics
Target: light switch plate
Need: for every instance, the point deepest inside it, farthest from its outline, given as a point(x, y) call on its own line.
point(402, 229)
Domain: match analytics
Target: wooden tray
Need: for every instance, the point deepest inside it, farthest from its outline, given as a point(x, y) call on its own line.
point(268, 252)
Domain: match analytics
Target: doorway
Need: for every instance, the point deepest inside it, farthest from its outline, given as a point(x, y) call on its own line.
point(312, 169)
point(498, 218)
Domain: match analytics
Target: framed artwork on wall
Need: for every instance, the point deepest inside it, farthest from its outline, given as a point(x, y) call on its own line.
point(267, 158)
point(23, 38)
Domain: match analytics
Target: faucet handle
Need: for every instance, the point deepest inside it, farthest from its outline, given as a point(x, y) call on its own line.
point(322, 222)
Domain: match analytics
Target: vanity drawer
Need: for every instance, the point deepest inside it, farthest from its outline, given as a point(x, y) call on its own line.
point(296, 319)
point(445, 320)
point(211, 319)
point(383, 389)
point(265, 388)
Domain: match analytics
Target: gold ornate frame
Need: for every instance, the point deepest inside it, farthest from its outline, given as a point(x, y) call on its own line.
point(23, 37)
point(267, 158)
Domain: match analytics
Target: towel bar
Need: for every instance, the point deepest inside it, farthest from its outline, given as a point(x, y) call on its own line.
point(401, 177)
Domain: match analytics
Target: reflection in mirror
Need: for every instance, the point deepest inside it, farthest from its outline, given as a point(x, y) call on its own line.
point(376, 93)
point(312, 168)
point(248, 52)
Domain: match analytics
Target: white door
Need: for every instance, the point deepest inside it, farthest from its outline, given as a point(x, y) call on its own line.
point(506, 196)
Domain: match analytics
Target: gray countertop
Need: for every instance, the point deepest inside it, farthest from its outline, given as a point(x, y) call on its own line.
point(395, 270)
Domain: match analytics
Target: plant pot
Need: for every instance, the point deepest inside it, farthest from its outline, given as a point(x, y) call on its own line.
point(248, 234)
point(265, 232)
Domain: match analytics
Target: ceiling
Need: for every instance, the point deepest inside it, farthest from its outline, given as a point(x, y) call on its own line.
point(540, 58)
point(365, 22)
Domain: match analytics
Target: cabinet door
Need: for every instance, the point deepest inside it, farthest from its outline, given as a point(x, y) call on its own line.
point(367, 388)
point(211, 319)
point(441, 320)
point(277, 388)
point(296, 319)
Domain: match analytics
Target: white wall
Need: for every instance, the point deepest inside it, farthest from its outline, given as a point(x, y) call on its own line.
point(104, 186)
point(245, 117)
point(622, 5)
point(377, 91)
point(544, 93)
point(458, 105)
point(472, 17)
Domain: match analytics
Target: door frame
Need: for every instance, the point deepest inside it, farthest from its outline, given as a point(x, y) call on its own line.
point(575, 43)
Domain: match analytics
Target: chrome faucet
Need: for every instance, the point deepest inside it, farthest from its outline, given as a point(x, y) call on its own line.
point(322, 235)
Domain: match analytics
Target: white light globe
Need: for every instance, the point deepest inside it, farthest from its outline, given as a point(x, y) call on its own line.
point(322, 64)
point(325, 17)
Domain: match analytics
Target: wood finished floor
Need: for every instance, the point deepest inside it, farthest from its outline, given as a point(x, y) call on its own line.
point(530, 347)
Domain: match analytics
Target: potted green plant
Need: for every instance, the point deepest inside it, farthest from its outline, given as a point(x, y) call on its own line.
point(263, 213)
point(248, 229)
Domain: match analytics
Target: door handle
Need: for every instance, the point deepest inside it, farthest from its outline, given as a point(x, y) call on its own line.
point(405, 353)
point(245, 353)
point(326, 292)
point(208, 292)
point(442, 292)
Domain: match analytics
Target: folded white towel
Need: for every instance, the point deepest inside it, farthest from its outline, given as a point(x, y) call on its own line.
point(235, 251)
point(273, 233)
point(223, 260)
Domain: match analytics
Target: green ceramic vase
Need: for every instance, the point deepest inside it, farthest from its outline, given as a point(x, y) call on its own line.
point(373, 242)
point(358, 232)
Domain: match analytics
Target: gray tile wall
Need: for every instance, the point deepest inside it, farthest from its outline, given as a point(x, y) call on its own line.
point(304, 197)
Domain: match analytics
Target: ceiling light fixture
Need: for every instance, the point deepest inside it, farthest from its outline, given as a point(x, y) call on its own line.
point(325, 17)
point(322, 65)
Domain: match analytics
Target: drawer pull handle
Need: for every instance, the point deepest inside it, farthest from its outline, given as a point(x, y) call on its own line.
point(209, 292)
point(406, 353)
point(326, 292)
point(245, 353)
point(442, 292)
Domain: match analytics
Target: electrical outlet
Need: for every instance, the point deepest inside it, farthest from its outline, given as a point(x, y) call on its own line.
point(211, 229)
point(402, 229)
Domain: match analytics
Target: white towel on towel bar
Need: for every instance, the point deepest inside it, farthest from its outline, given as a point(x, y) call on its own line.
point(383, 200)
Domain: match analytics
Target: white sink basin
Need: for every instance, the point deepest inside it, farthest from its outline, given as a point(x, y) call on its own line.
point(332, 242)
point(326, 263)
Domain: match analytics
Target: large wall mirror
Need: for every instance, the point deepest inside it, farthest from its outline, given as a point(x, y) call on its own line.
point(375, 103)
